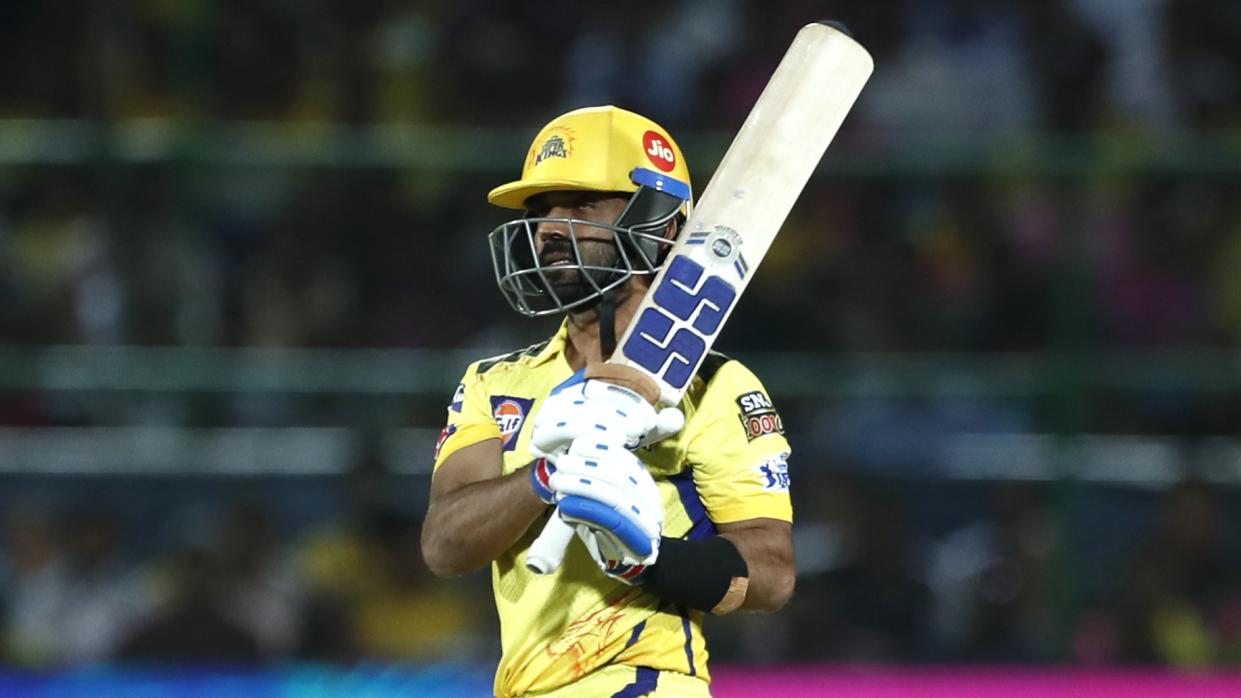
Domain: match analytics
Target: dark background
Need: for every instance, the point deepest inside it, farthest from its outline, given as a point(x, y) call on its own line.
point(243, 263)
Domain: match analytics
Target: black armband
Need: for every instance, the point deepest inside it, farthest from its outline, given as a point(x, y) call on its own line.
point(708, 574)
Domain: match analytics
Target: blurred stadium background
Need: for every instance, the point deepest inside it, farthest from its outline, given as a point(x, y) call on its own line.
point(242, 266)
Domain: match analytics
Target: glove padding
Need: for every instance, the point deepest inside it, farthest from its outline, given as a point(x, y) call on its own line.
point(606, 488)
point(579, 408)
point(612, 557)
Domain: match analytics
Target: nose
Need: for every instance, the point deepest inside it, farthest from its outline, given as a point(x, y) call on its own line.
point(557, 227)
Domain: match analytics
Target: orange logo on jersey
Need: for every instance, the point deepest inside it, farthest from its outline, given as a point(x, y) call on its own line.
point(510, 413)
point(658, 151)
point(586, 639)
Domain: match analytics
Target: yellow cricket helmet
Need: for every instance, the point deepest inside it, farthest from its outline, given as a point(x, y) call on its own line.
point(598, 149)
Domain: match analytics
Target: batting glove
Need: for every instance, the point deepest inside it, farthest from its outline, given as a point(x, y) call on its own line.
point(599, 410)
point(607, 490)
point(612, 557)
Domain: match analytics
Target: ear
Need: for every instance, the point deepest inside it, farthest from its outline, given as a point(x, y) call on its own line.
point(671, 231)
point(674, 227)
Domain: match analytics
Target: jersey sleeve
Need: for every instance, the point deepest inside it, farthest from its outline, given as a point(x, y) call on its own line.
point(738, 451)
point(469, 419)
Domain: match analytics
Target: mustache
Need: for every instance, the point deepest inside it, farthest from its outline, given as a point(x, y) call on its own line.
point(556, 249)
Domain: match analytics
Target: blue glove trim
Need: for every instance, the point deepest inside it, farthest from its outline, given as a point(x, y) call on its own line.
point(629, 574)
point(540, 479)
point(602, 516)
point(578, 377)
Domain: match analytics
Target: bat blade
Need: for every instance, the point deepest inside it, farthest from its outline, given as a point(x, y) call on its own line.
point(743, 207)
point(733, 224)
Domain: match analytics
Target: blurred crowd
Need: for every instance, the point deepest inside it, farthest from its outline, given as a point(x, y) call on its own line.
point(942, 235)
point(944, 64)
point(889, 571)
point(230, 580)
point(988, 256)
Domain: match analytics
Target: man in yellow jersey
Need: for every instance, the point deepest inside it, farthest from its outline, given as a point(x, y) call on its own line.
point(672, 522)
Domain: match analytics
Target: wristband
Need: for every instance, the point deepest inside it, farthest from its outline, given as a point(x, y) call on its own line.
point(540, 480)
point(707, 575)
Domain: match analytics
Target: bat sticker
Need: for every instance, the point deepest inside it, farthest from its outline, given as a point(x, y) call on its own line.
point(672, 335)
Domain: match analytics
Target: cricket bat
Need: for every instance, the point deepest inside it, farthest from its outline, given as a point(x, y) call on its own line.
point(730, 230)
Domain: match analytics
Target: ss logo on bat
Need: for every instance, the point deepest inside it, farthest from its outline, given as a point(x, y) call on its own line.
point(669, 340)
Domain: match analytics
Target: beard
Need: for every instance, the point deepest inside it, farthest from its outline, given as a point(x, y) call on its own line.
point(571, 283)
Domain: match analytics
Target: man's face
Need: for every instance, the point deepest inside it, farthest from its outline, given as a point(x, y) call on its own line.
point(596, 245)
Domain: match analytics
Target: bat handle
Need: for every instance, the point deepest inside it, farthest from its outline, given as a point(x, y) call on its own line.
point(626, 377)
point(547, 551)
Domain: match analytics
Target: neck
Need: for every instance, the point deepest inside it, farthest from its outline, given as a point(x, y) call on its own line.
point(583, 344)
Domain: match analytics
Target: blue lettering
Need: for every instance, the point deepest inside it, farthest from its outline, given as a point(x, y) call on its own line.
point(716, 295)
point(675, 358)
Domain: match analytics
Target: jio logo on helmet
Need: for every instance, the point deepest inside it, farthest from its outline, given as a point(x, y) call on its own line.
point(659, 151)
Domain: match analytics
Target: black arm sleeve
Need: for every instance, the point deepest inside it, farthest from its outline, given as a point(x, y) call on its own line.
point(696, 573)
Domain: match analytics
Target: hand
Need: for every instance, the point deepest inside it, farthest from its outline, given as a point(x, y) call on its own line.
point(608, 412)
point(609, 491)
point(610, 555)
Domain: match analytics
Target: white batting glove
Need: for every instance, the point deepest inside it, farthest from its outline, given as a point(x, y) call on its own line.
point(606, 489)
point(612, 557)
point(600, 410)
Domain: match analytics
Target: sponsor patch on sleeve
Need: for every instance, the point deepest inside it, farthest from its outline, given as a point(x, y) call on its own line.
point(439, 443)
point(774, 473)
point(458, 397)
point(758, 415)
point(510, 413)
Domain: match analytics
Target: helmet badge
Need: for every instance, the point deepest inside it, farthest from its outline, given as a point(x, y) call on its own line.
point(658, 151)
point(557, 145)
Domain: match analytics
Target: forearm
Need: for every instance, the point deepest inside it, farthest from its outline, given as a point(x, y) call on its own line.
point(769, 559)
point(474, 524)
point(749, 566)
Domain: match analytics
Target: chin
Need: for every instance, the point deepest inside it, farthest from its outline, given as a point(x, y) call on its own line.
point(570, 293)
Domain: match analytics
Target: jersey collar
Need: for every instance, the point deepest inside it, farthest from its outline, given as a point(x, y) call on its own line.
point(555, 345)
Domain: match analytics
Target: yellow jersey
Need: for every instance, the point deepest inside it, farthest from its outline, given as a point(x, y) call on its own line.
point(728, 464)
